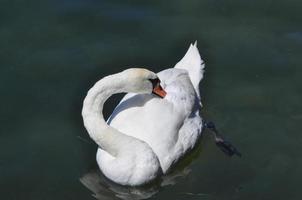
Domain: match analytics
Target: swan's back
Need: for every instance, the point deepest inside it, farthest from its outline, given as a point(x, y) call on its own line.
point(158, 121)
point(171, 126)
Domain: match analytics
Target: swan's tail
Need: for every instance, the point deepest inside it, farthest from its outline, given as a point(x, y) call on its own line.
point(193, 63)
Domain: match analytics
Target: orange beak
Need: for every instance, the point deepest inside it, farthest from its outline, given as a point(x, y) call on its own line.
point(159, 91)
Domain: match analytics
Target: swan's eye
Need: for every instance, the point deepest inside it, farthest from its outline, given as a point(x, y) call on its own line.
point(155, 82)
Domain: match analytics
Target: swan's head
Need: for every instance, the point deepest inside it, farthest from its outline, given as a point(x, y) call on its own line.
point(143, 81)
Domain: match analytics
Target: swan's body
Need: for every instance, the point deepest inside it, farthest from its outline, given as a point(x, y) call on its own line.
point(147, 135)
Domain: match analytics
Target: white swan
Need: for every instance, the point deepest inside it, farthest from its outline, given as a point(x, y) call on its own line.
point(147, 134)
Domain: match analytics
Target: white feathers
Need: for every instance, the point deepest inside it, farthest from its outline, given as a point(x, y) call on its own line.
point(146, 134)
point(193, 63)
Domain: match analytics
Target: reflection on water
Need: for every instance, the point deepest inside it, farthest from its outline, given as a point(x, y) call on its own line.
point(103, 188)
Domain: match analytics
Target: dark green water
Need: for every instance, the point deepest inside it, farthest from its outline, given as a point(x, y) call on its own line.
point(51, 52)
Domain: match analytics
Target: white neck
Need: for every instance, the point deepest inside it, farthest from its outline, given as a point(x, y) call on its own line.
point(108, 138)
point(142, 165)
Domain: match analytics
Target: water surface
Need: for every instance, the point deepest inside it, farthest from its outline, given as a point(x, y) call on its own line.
point(52, 52)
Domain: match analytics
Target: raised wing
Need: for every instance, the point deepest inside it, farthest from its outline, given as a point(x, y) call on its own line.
point(193, 63)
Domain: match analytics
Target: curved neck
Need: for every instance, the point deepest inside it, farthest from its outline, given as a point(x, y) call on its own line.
point(108, 138)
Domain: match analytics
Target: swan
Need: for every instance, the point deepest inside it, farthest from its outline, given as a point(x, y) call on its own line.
point(154, 125)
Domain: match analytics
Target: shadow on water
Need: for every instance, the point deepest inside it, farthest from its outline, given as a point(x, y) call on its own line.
point(103, 189)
